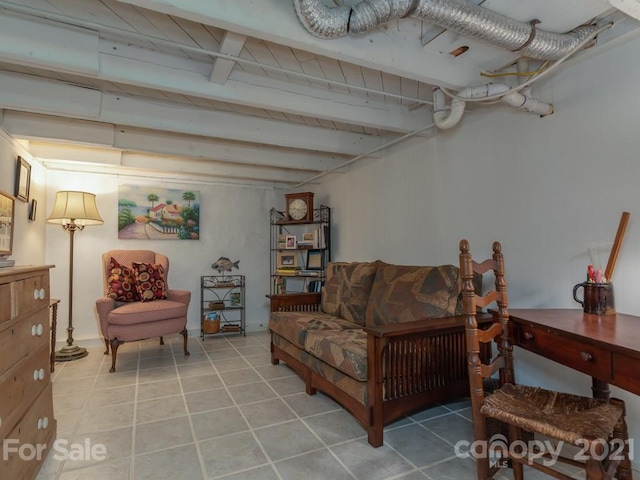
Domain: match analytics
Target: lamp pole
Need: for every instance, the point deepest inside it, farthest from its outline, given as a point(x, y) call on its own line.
point(70, 351)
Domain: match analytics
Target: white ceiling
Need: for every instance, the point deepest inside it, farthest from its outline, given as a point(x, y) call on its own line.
point(237, 91)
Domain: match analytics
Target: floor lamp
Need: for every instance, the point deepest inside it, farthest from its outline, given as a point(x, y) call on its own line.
point(74, 211)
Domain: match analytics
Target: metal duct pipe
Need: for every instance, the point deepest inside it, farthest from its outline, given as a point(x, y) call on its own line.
point(458, 15)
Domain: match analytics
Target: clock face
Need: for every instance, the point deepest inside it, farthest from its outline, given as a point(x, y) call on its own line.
point(297, 209)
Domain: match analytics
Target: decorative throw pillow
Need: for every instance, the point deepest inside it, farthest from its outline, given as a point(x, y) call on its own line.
point(121, 283)
point(149, 281)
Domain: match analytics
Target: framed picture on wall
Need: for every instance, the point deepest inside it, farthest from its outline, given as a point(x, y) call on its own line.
point(6, 223)
point(23, 179)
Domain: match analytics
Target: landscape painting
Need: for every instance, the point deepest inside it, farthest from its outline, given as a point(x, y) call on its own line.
point(151, 213)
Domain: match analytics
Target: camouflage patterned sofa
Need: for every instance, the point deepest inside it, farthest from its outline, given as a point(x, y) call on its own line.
point(383, 340)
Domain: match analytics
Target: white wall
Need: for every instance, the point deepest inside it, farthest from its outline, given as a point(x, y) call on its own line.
point(544, 187)
point(234, 222)
point(28, 236)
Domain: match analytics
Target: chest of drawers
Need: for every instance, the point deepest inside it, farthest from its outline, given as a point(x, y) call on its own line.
point(27, 426)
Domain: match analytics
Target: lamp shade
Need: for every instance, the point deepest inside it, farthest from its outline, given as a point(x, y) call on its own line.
point(77, 207)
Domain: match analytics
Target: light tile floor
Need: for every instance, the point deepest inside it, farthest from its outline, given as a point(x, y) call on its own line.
point(226, 412)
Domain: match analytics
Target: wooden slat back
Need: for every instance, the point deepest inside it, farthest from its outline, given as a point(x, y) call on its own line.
point(499, 331)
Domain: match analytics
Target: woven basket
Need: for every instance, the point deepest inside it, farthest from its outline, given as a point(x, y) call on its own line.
point(211, 326)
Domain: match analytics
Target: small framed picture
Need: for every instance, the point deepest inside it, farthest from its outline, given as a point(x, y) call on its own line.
point(282, 240)
point(315, 260)
point(307, 237)
point(287, 260)
point(33, 207)
point(23, 179)
point(235, 299)
point(290, 241)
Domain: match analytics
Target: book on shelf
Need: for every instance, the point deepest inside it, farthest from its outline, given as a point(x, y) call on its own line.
point(287, 272)
point(320, 237)
point(310, 273)
point(315, 286)
point(279, 286)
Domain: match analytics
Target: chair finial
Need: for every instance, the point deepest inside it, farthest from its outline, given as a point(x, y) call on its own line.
point(464, 246)
point(497, 248)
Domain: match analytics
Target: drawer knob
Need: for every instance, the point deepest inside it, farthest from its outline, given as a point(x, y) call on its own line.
point(39, 424)
point(37, 330)
point(35, 375)
point(36, 294)
point(528, 335)
point(586, 356)
point(43, 423)
point(40, 329)
point(42, 294)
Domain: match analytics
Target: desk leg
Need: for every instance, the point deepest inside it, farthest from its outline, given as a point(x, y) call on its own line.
point(600, 389)
point(54, 323)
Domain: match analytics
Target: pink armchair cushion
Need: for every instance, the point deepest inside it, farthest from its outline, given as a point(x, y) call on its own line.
point(150, 282)
point(145, 312)
point(121, 283)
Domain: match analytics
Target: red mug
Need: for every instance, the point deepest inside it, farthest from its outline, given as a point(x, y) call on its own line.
point(597, 298)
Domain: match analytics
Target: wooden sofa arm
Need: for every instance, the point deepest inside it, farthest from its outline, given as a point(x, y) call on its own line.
point(412, 365)
point(295, 302)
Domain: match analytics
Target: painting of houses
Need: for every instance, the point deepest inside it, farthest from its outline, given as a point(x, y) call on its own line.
point(158, 213)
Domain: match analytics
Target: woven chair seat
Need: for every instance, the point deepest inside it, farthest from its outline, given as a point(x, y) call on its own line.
point(562, 416)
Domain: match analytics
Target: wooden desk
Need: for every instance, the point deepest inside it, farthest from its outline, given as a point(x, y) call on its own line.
point(605, 347)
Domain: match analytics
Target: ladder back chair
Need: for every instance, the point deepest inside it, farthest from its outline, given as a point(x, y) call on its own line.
point(596, 427)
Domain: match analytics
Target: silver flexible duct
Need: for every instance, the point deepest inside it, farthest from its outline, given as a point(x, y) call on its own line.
point(459, 16)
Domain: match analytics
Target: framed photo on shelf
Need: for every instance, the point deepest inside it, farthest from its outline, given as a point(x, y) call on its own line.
point(315, 260)
point(23, 179)
point(282, 240)
point(287, 260)
point(307, 237)
point(290, 241)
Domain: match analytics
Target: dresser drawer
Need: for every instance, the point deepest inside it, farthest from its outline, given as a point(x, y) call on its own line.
point(30, 294)
point(22, 338)
point(5, 302)
point(37, 428)
point(588, 359)
point(20, 385)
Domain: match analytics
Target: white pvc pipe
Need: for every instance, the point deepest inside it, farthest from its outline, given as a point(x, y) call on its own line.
point(444, 120)
point(441, 118)
point(531, 105)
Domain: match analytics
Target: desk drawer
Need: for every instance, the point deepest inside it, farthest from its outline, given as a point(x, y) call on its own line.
point(588, 359)
point(625, 372)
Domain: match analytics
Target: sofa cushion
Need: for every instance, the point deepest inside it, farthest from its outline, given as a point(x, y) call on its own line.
point(294, 326)
point(121, 284)
point(343, 350)
point(150, 281)
point(403, 293)
point(142, 312)
point(347, 288)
